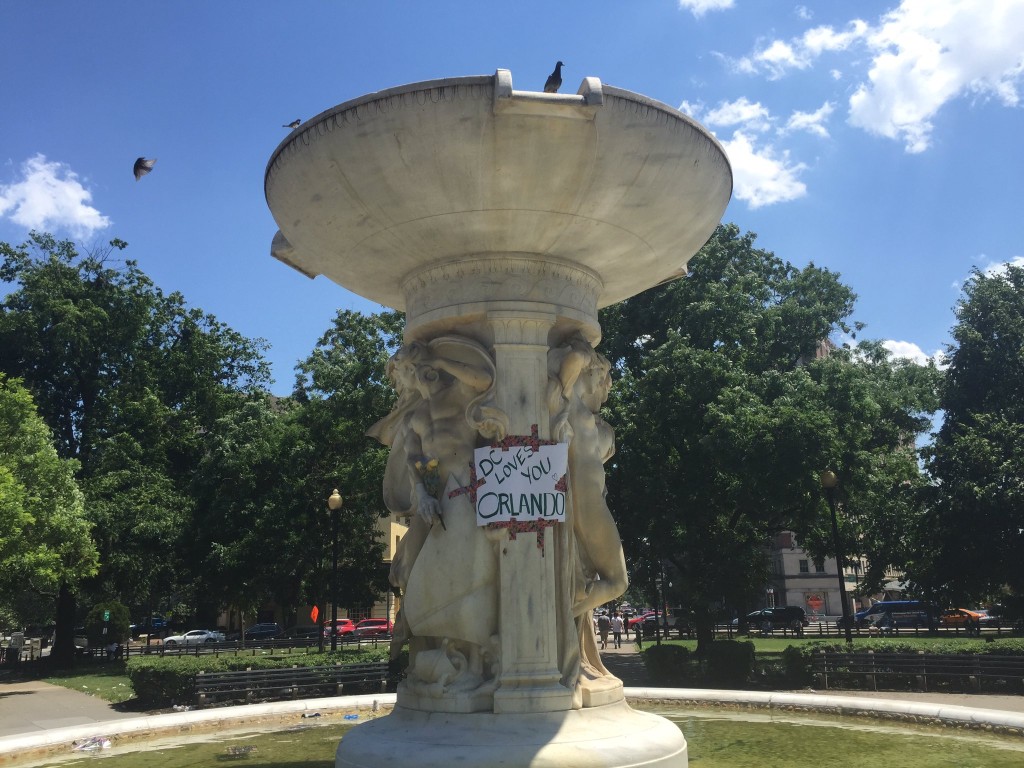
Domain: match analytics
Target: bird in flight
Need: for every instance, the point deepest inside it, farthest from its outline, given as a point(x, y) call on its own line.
point(142, 167)
point(292, 124)
point(554, 81)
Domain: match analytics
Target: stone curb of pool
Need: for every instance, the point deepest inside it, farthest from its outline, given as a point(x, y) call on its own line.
point(41, 744)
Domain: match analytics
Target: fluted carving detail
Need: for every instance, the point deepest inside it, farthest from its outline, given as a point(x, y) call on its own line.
point(506, 278)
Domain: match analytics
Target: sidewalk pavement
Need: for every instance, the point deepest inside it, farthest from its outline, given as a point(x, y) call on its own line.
point(32, 705)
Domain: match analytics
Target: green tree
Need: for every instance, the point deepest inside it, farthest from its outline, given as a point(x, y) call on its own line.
point(263, 531)
point(130, 380)
point(344, 390)
point(970, 540)
point(44, 535)
point(115, 628)
point(879, 407)
point(730, 403)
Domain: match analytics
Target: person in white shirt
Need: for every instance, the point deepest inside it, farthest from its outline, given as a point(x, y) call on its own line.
point(617, 626)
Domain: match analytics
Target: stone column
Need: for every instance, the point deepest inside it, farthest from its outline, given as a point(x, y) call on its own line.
point(529, 677)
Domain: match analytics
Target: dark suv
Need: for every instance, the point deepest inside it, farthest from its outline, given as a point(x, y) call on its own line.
point(264, 631)
point(790, 617)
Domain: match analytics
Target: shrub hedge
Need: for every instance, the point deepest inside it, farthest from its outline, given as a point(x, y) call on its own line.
point(730, 662)
point(668, 665)
point(163, 681)
point(799, 659)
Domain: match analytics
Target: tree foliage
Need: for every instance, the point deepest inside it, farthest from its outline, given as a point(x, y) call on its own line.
point(727, 409)
point(44, 535)
point(130, 380)
point(262, 487)
point(971, 540)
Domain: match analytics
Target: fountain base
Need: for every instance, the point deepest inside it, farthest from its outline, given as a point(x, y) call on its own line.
point(611, 736)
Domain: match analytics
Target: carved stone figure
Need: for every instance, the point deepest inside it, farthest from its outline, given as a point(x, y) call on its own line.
point(448, 615)
point(594, 572)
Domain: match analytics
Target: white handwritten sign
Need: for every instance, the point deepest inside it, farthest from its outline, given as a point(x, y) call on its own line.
point(519, 484)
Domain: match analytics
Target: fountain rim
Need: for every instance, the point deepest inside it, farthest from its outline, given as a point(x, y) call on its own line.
point(296, 135)
point(57, 741)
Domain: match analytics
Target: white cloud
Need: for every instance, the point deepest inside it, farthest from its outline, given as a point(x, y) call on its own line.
point(812, 122)
point(908, 350)
point(928, 53)
point(995, 269)
point(763, 175)
point(818, 40)
point(693, 110)
point(751, 115)
point(923, 54)
point(49, 196)
point(780, 56)
point(699, 7)
point(803, 12)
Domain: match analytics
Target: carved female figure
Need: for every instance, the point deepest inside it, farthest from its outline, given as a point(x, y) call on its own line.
point(595, 571)
point(449, 614)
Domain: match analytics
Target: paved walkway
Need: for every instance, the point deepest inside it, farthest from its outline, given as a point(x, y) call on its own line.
point(31, 706)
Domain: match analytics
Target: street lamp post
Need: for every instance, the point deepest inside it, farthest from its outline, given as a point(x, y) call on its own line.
point(829, 481)
point(334, 504)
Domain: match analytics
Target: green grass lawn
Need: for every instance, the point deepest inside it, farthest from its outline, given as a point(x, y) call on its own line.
point(108, 682)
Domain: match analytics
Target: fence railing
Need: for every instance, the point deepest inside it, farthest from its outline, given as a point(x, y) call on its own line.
point(829, 626)
point(921, 669)
point(275, 646)
point(289, 682)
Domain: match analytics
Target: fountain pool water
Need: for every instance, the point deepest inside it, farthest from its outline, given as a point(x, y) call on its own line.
point(718, 738)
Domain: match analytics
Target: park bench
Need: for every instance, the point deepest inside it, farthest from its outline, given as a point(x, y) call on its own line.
point(970, 670)
point(287, 682)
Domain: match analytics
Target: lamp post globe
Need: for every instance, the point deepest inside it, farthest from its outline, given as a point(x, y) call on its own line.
point(334, 504)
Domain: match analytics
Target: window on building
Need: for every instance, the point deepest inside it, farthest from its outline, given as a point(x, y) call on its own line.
point(804, 566)
point(819, 568)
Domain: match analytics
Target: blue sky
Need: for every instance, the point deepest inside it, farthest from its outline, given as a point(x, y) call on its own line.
point(878, 139)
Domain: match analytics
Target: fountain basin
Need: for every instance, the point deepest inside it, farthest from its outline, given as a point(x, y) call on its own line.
point(608, 191)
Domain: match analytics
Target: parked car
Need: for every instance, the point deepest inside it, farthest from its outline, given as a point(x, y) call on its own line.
point(154, 623)
point(194, 637)
point(341, 627)
point(302, 632)
point(264, 631)
point(961, 617)
point(905, 613)
point(989, 619)
point(640, 618)
point(791, 617)
point(374, 627)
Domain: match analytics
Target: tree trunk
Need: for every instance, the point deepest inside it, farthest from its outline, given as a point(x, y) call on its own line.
point(62, 655)
point(705, 623)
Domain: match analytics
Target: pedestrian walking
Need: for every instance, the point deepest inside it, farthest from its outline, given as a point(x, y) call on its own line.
point(617, 625)
point(604, 625)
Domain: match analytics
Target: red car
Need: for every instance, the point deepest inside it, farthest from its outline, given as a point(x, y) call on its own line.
point(342, 627)
point(370, 627)
point(640, 618)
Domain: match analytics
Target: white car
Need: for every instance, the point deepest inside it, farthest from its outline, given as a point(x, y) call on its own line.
point(195, 637)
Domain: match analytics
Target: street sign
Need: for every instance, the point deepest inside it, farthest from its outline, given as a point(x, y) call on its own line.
point(106, 615)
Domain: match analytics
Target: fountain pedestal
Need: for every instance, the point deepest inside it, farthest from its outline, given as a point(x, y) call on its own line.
point(500, 221)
